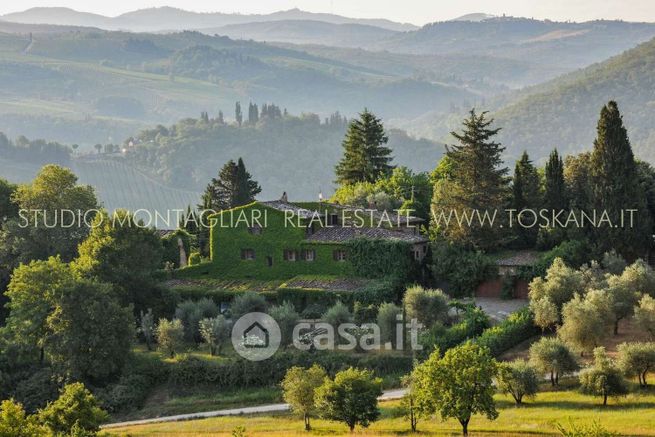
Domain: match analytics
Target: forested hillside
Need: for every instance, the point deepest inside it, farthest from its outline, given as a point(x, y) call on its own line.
point(292, 154)
point(563, 113)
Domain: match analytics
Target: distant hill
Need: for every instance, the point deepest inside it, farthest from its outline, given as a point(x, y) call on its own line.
point(173, 19)
point(563, 113)
point(90, 86)
point(305, 32)
point(569, 45)
point(476, 16)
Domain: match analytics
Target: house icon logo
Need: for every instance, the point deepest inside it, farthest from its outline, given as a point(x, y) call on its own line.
point(259, 334)
point(256, 336)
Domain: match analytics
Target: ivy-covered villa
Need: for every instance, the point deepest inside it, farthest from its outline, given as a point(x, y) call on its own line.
point(280, 239)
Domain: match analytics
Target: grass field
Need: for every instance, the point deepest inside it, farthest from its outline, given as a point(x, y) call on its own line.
point(629, 416)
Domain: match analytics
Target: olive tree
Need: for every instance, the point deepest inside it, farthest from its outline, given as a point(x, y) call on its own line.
point(425, 305)
point(170, 336)
point(560, 284)
point(299, 390)
point(286, 317)
point(545, 313)
point(623, 298)
point(645, 315)
point(586, 321)
point(603, 378)
point(215, 332)
point(550, 355)
point(519, 379)
point(387, 320)
point(637, 359)
point(458, 385)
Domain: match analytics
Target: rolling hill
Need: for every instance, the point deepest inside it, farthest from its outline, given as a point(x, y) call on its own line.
point(305, 32)
point(91, 86)
point(174, 19)
point(563, 113)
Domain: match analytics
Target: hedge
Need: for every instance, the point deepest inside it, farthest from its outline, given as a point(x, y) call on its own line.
point(439, 337)
point(239, 373)
point(518, 327)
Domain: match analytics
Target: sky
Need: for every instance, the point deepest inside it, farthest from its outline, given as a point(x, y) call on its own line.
point(418, 12)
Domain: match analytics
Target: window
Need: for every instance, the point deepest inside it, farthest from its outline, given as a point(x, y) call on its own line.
point(333, 219)
point(289, 255)
point(339, 255)
point(309, 255)
point(247, 254)
point(269, 261)
point(255, 230)
point(417, 255)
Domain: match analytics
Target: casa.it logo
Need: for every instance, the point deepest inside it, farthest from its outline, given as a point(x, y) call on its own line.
point(256, 336)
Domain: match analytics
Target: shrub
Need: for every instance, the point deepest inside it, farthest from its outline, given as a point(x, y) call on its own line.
point(195, 258)
point(426, 306)
point(337, 314)
point(190, 313)
point(440, 338)
point(170, 336)
point(387, 321)
point(364, 313)
point(147, 328)
point(519, 326)
point(286, 317)
point(461, 269)
point(248, 302)
point(140, 375)
point(380, 291)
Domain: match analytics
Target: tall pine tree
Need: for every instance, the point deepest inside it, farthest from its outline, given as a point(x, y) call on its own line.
point(555, 196)
point(526, 194)
point(246, 188)
point(615, 187)
point(365, 158)
point(233, 187)
point(478, 185)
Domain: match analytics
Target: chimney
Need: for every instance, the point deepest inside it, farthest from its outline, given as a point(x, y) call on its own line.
point(284, 197)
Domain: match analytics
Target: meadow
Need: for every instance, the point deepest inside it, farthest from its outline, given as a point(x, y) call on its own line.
point(630, 416)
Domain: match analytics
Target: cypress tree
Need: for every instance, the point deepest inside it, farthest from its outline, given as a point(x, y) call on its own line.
point(615, 187)
point(526, 195)
point(238, 115)
point(365, 158)
point(478, 185)
point(246, 187)
point(555, 196)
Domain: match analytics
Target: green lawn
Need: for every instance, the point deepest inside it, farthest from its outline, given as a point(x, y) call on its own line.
point(632, 416)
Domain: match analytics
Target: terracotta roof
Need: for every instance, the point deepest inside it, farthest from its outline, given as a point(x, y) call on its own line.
point(285, 206)
point(520, 258)
point(343, 234)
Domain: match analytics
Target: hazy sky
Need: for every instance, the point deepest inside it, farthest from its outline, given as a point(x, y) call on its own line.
point(413, 11)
